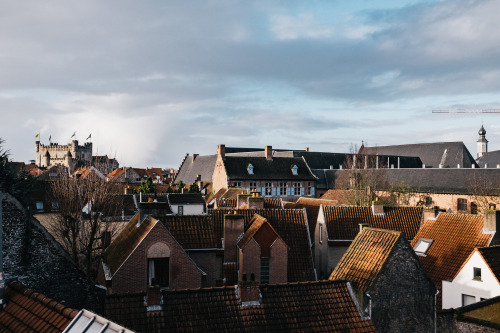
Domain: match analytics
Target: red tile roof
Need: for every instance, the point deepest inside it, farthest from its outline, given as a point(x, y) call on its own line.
point(365, 258)
point(29, 311)
point(255, 224)
point(192, 231)
point(312, 209)
point(325, 306)
point(342, 223)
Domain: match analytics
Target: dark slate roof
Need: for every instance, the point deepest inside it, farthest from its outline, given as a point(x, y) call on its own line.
point(365, 258)
point(491, 255)
point(279, 168)
point(325, 306)
point(291, 225)
point(446, 181)
point(189, 169)
point(187, 198)
point(489, 160)
point(192, 231)
point(449, 154)
point(342, 222)
point(317, 160)
point(29, 311)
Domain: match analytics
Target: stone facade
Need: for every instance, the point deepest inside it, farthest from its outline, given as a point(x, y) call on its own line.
point(69, 155)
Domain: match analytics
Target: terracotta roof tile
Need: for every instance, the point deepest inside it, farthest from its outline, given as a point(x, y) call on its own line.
point(324, 306)
point(365, 258)
point(312, 209)
point(342, 223)
point(255, 224)
point(192, 231)
point(127, 241)
point(27, 311)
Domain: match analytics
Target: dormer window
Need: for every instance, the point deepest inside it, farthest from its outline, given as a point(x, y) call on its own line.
point(422, 246)
point(250, 169)
point(295, 170)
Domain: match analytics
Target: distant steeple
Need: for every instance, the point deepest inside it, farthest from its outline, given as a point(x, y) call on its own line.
point(482, 143)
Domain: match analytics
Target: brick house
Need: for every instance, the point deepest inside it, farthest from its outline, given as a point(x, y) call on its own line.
point(337, 226)
point(288, 177)
point(324, 306)
point(146, 253)
point(389, 281)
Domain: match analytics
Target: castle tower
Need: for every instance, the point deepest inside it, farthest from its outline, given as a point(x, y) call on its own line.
point(482, 143)
point(46, 159)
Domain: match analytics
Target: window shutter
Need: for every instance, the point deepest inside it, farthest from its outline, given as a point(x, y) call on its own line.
point(288, 191)
point(273, 191)
point(278, 191)
point(263, 191)
point(313, 192)
point(302, 191)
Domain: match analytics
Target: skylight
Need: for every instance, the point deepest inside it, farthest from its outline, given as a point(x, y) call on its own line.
point(295, 170)
point(423, 246)
point(250, 169)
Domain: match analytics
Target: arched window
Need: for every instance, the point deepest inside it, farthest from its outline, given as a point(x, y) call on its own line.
point(159, 265)
point(295, 169)
point(250, 169)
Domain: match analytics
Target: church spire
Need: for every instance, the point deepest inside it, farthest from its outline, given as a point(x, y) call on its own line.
point(482, 143)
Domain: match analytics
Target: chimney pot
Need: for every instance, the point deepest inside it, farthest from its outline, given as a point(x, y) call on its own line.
point(269, 152)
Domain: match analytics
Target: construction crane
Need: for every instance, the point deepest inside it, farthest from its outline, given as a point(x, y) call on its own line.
point(467, 111)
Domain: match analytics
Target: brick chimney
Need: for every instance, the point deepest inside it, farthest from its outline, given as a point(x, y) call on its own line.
point(377, 208)
point(221, 150)
point(233, 228)
point(194, 157)
point(269, 152)
point(307, 149)
point(242, 199)
point(491, 219)
point(153, 296)
point(362, 226)
point(249, 293)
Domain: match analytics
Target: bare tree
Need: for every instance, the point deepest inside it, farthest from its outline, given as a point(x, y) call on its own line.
point(79, 225)
point(483, 190)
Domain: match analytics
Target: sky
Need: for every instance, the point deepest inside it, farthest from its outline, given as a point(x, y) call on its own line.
point(153, 80)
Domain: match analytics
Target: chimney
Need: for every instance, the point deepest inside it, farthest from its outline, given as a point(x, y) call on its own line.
point(153, 296)
point(2, 281)
point(249, 293)
point(194, 157)
point(377, 209)
point(362, 226)
point(233, 228)
point(255, 201)
point(269, 153)
point(307, 149)
point(491, 219)
point(242, 199)
point(221, 150)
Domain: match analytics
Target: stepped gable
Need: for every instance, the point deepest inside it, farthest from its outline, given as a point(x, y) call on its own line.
point(342, 223)
point(30, 311)
point(292, 227)
point(311, 206)
point(324, 306)
point(194, 165)
point(365, 258)
point(191, 231)
point(42, 264)
point(448, 154)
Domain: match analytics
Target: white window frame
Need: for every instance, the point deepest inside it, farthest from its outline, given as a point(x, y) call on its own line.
point(423, 246)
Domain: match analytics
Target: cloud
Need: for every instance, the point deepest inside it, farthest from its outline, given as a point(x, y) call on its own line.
point(302, 26)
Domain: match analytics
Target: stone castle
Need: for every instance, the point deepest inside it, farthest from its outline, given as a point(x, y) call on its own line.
point(71, 155)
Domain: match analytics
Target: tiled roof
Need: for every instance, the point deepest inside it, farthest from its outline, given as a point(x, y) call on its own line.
point(126, 242)
point(187, 198)
point(449, 154)
point(365, 258)
point(192, 231)
point(454, 238)
point(255, 224)
point(279, 168)
point(312, 209)
point(291, 225)
point(29, 311)
point(226, 203)
point(189, 169)
point(89, 322)
point(324, 306)
point(492, 257)
point(342, 222)
point(343, 197)
point(269, 203)
point(489, 160)
point(273, 203)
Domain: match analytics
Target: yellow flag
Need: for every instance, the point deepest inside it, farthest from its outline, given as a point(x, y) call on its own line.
point(38, 135)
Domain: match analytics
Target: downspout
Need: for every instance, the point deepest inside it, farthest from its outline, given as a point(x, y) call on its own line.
point(435, 310)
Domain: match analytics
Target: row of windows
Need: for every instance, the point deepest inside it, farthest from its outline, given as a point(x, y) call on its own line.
point(281, 190)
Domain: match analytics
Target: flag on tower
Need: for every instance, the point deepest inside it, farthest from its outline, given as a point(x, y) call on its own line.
point(90, 135)
point(50, 137)
point(74, 133)
point(37, 135)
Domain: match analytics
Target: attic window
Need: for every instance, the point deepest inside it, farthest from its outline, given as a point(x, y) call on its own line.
point(295, 169)
point(250, 169)
point(422, 246)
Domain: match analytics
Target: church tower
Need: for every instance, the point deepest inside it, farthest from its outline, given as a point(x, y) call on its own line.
point(482, 143)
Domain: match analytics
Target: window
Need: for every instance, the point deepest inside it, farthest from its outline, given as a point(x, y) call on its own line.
point(422, 246)
point(264, 270)
point(269, 190)
point(468, 299)
point(283, 188)
point(180, 210)
point(250, 169)
point(253, 186)
point(473, 208)
point(295, 170)
point(477, 274)
point(39, 205)
point(296, 188)
point(237, 184)
point(461, 204)
point(309, 188)
point(428, 202)
point(321, 233)
point(159, 272)
point(55, 206)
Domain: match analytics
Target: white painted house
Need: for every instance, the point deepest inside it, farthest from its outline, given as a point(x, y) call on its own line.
point(477, 280)
point(186, 204)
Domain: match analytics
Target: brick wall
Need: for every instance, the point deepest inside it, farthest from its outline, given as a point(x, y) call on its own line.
point(278, 262)
point(250, 260)
point(208, 262)
point(132, 276)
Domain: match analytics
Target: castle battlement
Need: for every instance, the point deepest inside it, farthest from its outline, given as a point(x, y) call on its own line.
point(54, 154)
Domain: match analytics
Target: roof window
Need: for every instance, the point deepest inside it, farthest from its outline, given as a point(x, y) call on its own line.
point(423, 246)
point(250, 169)
point(295, 170)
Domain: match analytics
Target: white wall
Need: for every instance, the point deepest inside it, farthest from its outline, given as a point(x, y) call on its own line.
point(191, 209)
point(464, 283)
